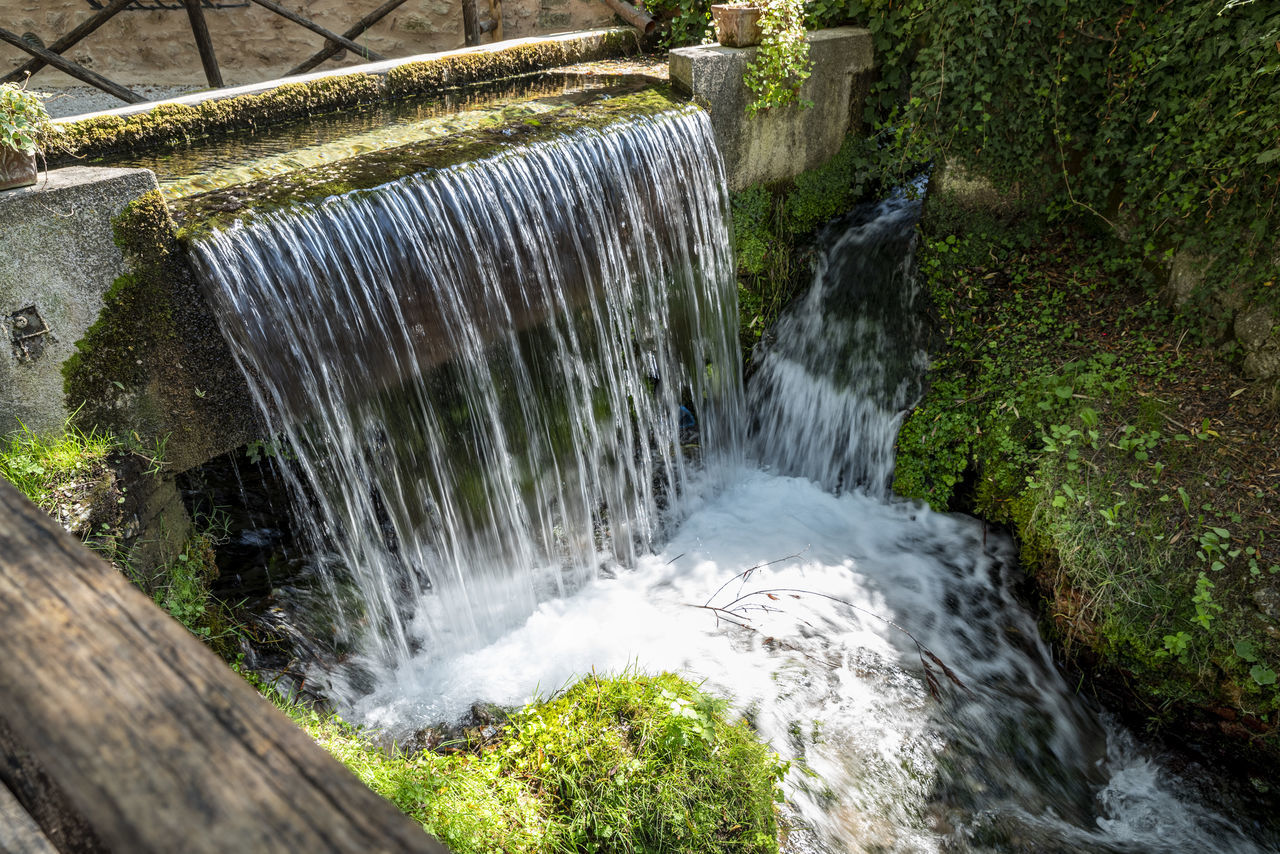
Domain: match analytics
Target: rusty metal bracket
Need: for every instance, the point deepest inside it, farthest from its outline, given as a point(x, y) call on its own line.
point(29, 333)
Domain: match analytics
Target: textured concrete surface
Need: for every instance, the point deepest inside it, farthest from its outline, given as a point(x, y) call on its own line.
point(780, 143)
point(57, 259)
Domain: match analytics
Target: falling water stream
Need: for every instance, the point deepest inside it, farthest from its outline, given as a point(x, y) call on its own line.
point(565, 496)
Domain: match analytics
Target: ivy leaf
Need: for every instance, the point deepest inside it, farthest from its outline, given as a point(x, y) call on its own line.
point(1246, 650)
point(1268, 156)
point(1262, 675)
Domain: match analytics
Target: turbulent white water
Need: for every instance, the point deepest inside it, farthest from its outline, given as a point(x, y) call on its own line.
point(815, 645)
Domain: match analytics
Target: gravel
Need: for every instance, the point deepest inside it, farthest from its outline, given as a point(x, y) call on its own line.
point(75, 100)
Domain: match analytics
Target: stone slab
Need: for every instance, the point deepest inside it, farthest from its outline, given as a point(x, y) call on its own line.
point(57, 259)
point(780, 143)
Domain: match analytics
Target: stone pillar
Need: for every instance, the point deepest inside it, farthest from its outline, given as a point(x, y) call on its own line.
point(778, 144)
point(58, 258)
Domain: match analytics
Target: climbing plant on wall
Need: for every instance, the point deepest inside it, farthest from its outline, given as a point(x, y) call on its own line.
point(1160, 120)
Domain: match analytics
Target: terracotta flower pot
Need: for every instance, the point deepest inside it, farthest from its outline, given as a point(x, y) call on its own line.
point(737, 26)
point(17, 168)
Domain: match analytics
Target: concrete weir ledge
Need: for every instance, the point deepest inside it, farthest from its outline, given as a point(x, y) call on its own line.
point(591, 44)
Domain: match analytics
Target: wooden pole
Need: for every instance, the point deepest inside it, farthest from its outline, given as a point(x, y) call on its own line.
point(68, 41)
point(470, 23)
point(637, 18)
point(74, 69)
point(341, 41)
point(204, 44)
point(357, 29)
point(495, 14)
point(144, 739)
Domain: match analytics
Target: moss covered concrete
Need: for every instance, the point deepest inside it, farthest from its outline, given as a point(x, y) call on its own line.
point(222, 207)
point(172, 124)
point(154, 366)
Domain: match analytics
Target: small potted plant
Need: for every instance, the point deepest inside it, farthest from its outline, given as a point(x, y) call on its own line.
point(24, 128)
point(738, 24)
point(781, 63)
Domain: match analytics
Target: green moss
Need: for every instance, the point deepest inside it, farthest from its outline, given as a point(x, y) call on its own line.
point(177, 124)
point(432, 75)
point(770, 224)
point(631, 763)
point(219, 208)
point(154, 366)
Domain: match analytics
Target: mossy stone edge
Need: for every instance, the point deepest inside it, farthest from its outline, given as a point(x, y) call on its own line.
point(177, 124)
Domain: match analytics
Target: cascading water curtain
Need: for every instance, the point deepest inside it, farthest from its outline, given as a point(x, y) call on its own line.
point(485, 374)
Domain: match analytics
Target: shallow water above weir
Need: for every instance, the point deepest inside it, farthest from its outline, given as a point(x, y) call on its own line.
point(274, 151)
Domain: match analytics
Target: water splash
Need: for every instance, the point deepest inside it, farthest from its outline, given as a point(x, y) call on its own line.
point(481, 371)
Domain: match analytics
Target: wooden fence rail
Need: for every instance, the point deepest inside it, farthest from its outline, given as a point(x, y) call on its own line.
point(120, 732)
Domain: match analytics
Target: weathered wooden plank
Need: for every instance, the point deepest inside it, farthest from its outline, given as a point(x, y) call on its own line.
point(495, 14)
point(68, 41)
point(204, 44)
point(19, 834)
point(74, 69)
point(470, 23)
point(145, 736)
point(357, 29)
point(342, 41)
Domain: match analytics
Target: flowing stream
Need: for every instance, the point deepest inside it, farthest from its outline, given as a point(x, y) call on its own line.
point(570, 495)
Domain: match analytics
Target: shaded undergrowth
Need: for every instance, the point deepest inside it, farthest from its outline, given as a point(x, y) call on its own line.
point(1115, 435)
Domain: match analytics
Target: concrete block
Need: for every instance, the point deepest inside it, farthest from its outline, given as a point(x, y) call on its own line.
point(57, 259)
point(778, 144)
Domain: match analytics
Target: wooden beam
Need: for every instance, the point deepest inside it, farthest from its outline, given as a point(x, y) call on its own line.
point(341, 41)
point(495, 15)
point(74, 69)
point(200, 29)
point(470, 23)
point(357, 29)
point(68, 41)
point(144, 737)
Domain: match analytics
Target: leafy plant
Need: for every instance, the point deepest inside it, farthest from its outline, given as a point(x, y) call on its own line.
point(24, 122)
point(781, 63)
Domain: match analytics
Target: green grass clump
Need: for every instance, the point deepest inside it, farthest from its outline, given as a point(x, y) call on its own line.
point(633, 763)
point(38, 465)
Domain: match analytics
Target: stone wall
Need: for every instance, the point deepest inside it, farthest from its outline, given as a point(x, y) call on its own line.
point(778, 144)
point(57, 260)
point(253, 44)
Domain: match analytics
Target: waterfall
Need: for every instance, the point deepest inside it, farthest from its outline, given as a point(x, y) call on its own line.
point(848, 358)
point(484, 375)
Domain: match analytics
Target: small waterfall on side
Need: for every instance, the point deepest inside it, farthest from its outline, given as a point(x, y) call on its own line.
point(485, 374)
point(848, 359)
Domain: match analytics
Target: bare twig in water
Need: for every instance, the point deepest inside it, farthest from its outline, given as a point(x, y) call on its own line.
point(736, 613)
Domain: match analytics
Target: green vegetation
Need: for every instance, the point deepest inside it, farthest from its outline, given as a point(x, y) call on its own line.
point(153, 365)
point(630, 763)
point(1137, 471)
point(781, 64)
point(1160, 122)
point(90, 484)
point(771, 226)
point(51, 470)
point(24, 123)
